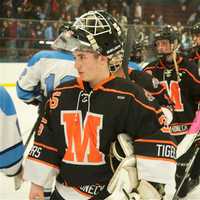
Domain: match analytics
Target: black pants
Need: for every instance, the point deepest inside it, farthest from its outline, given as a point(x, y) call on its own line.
point(56, 196)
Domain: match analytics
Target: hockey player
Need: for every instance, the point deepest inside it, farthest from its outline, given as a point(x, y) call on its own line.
point(45, 70)
point(84, 116)
point(194, 55)
point(152, 87)
point(11, 145)
point(195, 51)
point(181, 78)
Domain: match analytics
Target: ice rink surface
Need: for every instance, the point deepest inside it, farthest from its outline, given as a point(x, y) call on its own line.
point(27, 115)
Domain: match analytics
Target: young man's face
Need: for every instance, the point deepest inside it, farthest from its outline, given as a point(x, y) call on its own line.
point(163, 46)
point(91, 66)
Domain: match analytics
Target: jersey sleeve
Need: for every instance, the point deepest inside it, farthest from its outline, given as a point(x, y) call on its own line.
point(192, 76)
point(28, 84)
point(11, 145)
point(154, 146)
point(152, 85)
point(43, 157)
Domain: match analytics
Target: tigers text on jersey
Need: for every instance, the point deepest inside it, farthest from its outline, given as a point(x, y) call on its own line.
point(184, 93)
point(73, 139)
point(11, 146)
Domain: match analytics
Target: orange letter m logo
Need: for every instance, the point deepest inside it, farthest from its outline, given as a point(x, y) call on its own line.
point(82, 141)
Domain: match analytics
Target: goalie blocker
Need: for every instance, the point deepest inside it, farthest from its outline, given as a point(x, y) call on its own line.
point(125, 183)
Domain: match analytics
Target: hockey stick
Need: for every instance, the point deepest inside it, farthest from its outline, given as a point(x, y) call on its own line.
point(187, 171)
point(127, 49)
point(190, 137)
point(174, 54)
point(18, 178)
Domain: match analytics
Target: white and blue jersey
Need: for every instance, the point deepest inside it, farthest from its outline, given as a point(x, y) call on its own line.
point(134, 66)
point(44, 71)
point(11, 145)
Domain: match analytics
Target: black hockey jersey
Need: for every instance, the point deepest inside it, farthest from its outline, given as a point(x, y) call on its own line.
point(194, 54)
point(184, 93)
point(73, 139)
point(152, 85)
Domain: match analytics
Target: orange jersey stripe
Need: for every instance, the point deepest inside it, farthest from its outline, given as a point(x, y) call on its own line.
point(156, 141)
point(46, 147)
point(157, 93)
point(43, 162)
point(153, 158)
point(128, 93)
point(174, 124)
point(67, 87)
point(193, 77)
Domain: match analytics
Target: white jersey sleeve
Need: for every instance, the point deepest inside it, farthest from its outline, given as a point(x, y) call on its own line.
point(11, 145)
point(44, 71)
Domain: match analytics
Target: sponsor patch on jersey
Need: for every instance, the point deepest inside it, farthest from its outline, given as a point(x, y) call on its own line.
point(120, 97)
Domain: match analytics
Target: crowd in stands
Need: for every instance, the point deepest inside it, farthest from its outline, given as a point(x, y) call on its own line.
point(24, 23)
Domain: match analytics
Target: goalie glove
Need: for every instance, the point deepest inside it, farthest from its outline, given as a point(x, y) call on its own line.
point(125, 184)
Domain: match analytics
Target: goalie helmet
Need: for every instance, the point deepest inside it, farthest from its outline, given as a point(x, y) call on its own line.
point(99, 31)
point(96, 31)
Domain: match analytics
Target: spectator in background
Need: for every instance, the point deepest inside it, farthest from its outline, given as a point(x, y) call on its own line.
point(28, 10)
point(23, 37)
point(54, 9)
point(186, 41)
point(138, 11)
point(122, 19)
point(39, 13)
point(20, 13)
point(159, 21)
point(15, 5)
point(12, 33)
point(48, 32)
point(125, 10)
point(3, 33)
